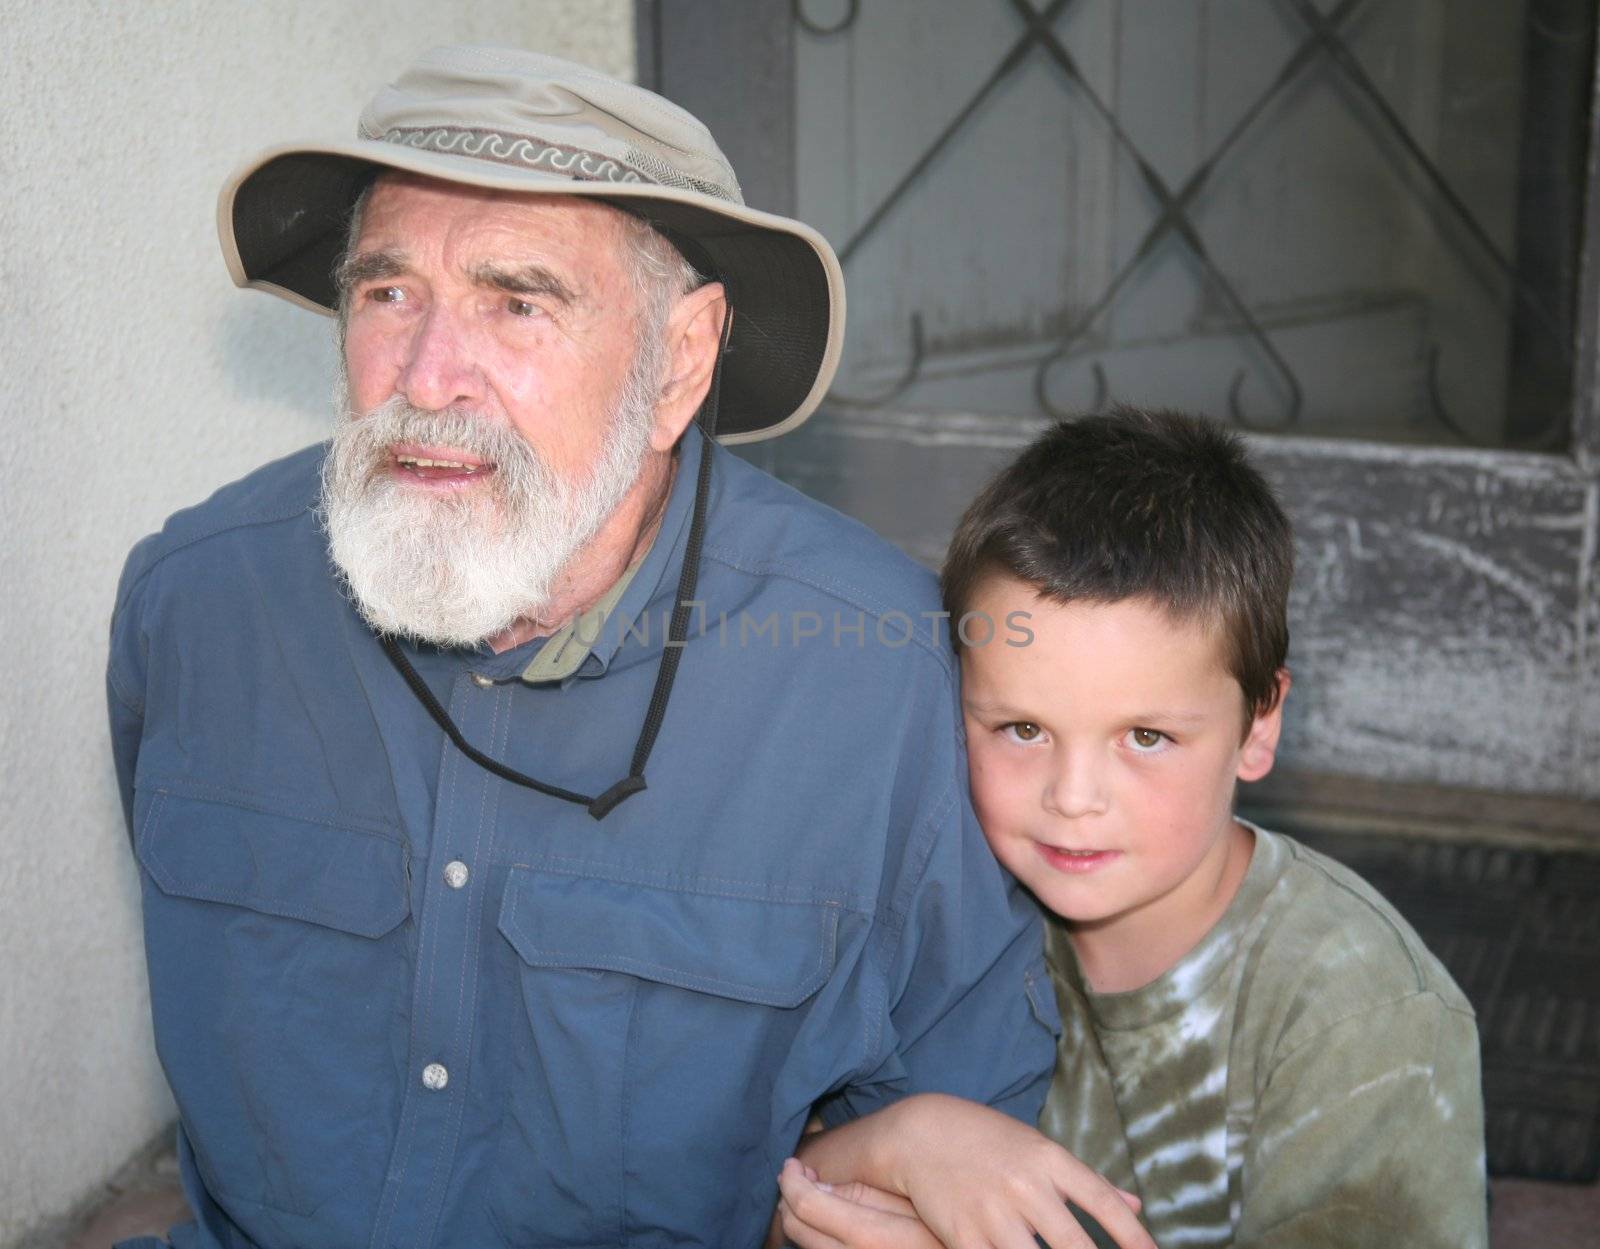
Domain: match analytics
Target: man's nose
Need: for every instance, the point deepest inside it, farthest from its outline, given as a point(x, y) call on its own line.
point(441, 368)
point(1077, 783)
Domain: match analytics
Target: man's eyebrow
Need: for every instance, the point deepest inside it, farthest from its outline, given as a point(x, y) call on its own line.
point(528, 279)
point(368, 267)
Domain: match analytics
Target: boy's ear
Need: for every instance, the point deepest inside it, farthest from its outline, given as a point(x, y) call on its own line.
point(1260, 747)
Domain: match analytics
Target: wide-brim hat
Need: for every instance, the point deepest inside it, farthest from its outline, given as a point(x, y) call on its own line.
point(509, 120)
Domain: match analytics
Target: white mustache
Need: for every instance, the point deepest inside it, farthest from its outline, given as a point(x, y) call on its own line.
point(518, 465)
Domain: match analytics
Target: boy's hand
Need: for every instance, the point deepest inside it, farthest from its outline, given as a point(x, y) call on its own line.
point(977, 1177)
point(815, 1215)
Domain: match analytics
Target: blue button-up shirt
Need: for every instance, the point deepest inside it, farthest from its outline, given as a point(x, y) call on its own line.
point(403, 1003)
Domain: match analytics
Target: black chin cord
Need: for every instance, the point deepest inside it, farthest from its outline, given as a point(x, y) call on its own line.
point(603, 804)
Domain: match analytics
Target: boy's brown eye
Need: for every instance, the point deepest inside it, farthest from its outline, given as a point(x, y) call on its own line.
point(1146, 739)
point(1025, 732)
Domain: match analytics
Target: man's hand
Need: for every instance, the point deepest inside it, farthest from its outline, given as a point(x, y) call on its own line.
point(977, 1178)
point(815, 1215)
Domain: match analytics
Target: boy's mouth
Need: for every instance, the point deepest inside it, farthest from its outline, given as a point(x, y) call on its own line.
point(1077, 861)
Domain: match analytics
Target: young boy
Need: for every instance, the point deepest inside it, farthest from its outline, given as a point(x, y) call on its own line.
point(1253, 1040)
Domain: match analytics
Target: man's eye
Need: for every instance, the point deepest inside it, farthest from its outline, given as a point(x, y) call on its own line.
point(1022, 730)
point(1146, 739)
point(386, 295)
point(522, 307)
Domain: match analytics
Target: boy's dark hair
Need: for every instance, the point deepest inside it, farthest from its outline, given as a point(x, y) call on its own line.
point(1138, 504)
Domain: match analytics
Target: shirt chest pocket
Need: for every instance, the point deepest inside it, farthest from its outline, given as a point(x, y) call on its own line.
point(662, 1019)
point(744, 949)
point(278, 966)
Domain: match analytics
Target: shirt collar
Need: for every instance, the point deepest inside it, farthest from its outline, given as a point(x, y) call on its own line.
point(584, 648)
point(565, 650)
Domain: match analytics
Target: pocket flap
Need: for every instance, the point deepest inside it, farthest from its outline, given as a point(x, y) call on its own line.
point(324, 873)
point(749, 949)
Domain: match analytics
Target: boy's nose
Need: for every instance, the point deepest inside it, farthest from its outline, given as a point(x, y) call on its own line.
point(1077, 786)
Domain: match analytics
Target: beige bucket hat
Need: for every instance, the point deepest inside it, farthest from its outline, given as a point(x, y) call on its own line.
point(520, 121)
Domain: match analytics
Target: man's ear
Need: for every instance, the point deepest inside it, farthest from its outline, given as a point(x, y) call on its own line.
point(1260, 747)
point(693, 333)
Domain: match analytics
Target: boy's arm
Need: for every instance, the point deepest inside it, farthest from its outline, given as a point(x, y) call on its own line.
point(1371, 1134)
point(973, 1175)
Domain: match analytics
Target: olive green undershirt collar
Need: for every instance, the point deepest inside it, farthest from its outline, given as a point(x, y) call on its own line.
point(566, 649)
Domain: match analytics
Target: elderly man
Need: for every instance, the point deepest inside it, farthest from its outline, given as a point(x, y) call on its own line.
point(539, 810)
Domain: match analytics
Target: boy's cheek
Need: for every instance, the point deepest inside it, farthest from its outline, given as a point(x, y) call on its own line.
point(1012, 853)
point(988, 783)
point(1000, 828)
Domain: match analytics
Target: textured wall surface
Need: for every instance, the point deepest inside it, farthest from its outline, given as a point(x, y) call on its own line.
point(134, 380)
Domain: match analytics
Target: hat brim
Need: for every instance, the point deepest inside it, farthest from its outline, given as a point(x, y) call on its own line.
point(283, 220)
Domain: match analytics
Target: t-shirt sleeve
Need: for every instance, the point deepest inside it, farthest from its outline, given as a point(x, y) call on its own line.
point(1370, 1133)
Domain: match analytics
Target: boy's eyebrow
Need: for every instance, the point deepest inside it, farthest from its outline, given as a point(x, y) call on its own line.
point(990, 709)
point(1184, 719)
point(527, 279)
point(368, 267)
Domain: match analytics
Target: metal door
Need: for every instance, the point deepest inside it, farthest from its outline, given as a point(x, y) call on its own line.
point(1360, 230)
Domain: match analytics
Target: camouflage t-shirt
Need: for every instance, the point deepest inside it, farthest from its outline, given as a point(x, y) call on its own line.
point(1306, 1076)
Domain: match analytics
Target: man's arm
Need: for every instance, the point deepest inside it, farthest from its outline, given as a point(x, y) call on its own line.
point(965, 1004)
point(127, 725)
point(1371, 1134)
point(125, 706)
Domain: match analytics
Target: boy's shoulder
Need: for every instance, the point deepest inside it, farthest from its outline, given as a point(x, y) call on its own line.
point(1329, 947)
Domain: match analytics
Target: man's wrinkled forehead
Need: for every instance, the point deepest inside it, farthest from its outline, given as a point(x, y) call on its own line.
point(523, 242)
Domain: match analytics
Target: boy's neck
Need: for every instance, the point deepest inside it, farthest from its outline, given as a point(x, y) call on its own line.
point(1129, 951)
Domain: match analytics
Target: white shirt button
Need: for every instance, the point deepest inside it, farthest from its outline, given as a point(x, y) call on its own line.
point(435, 1077)
point(455, 873)
point(481, 681)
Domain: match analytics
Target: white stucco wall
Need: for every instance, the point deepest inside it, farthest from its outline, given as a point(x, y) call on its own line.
point(134, 379)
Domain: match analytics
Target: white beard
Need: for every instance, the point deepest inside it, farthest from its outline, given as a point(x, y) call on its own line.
point(456, 568)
